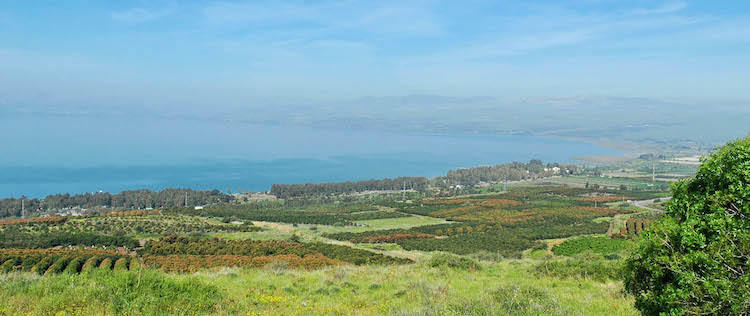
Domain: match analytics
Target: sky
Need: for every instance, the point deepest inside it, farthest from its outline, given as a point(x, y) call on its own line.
point(204, 54)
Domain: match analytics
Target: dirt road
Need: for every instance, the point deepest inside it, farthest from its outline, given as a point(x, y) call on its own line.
point(642, 204)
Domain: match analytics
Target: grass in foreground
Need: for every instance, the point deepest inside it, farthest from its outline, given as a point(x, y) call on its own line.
point(443, 286)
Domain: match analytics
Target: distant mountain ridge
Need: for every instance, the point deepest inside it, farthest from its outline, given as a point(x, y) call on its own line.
point(631, 119)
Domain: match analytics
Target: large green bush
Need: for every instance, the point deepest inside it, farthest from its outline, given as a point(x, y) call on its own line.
point(600, 245)
point(452, 261)
point(586, 266)
point(695, 260)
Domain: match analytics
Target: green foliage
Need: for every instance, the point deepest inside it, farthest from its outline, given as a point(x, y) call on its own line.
point(498, 289)
point(601, 245)
point(53, 261)
point(316, 189)
point(152, 224)
point(135, 265)
point(42, 265)
point(138, 199)
point(8, 266)
point(353, 255)
point(486, 256)
point(213, 246)
point(256, 213)
point(121, 265)
point(452, 261)
point(414, 232)
point(106, 264)
point(58, 266)
point(17, 238)
point(29, 263)
point(74, 266)
point(513, 171)
point(99, 292)
point(527, 300)
point(507, 242)
point(695, 260)
point(587, 265)
point(90, 264)
point(363, 216)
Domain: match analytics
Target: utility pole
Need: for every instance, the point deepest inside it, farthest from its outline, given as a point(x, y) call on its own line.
point(23, 207)
point(185, 199)
point(653, 173)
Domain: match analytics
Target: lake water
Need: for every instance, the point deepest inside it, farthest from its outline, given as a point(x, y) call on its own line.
point(47, 155)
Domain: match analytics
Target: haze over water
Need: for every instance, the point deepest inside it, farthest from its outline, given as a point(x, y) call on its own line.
point(48, 155)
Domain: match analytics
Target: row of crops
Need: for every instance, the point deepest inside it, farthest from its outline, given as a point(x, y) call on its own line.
point(55, 261)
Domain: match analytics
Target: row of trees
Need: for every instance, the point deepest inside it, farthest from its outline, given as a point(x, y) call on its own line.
point(334, 188)
point(138, 199)
point(508, 242)
point(251, 212)
point(51, 261)
point(15, 238)
point(513, 171)
point(173, 245)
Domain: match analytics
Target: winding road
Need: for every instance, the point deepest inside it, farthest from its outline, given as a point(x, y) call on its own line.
point(642, 203)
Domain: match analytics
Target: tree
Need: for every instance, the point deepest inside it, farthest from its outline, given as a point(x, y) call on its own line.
point(695, 260)
point(597, 172)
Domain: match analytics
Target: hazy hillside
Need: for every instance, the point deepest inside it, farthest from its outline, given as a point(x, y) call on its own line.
point(639, 120)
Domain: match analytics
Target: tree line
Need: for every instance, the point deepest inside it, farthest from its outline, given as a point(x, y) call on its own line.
point(16, 238)
point(134, 199)
point(334, 188)
point(513, 171)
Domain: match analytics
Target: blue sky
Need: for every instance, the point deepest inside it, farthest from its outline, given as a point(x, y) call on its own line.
point(233, 53)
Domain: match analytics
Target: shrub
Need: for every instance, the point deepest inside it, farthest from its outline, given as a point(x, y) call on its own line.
point(588, 266)
point(8, 266)
point(486, 256)
point(526, 300)
point(74, 266)
point(695, 260)
point(539, 245)
point(453, 261)
point(601, 245)
point(42, 265)
point(121, 264)
point(277, 267)
point(91, 263)
point(29, 263)
point(106, 264)
point(135, 265)
point(58, 266)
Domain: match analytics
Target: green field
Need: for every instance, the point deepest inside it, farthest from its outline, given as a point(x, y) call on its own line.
point(402, 222)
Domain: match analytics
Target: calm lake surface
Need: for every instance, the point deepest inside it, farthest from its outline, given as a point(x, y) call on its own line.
point(47, 155)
